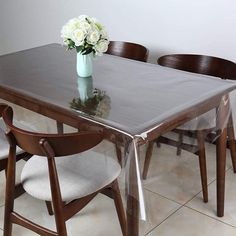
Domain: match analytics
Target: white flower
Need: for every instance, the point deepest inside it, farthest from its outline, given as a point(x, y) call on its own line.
point(69, 28)
point(86, 32)
point(84, 25)
point(78, 37)
point(101, 47)
point(93, 37)
point(104, 34)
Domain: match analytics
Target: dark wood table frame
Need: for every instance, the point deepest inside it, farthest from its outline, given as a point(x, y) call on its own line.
point(66, 116)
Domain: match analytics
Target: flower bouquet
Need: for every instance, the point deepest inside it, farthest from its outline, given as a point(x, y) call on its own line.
point(88, 37)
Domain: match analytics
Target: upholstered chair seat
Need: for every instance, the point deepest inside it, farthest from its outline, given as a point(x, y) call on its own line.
point(79, 175)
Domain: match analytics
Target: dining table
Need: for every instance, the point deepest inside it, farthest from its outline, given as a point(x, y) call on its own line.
point(135, 103)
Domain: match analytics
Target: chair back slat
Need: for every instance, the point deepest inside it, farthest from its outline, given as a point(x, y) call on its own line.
point(200, 64)
point(128, 50)
point(62, 144)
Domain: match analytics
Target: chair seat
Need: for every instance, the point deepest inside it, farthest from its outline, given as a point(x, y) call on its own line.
point(204, 121)
point(79, 175)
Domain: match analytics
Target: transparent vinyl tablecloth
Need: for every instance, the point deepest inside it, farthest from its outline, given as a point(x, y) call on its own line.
point(139, 101)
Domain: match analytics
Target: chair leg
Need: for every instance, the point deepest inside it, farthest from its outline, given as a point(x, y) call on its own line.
point(202, 163)
point(119, 206)
point(118, 154)
point(7, 226)
point(231, 141)
point(10, 192)
point(180, 141)
point(7, 217)
point(158, 144)
point(49, 207)
point(147, 159)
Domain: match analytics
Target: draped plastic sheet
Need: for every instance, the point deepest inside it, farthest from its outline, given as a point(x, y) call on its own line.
point(140, 97)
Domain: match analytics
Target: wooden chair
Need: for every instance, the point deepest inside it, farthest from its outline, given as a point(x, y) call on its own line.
point(206, 65)
point(70, 181)
point(4, 149)
point(128, 50)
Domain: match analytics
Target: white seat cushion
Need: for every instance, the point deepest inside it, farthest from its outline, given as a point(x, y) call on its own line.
point(79, 175)
point(204, 121)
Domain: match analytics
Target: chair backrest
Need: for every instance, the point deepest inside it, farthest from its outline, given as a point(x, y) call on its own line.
point(200, 64)
point(128, 50)
point(49, 144)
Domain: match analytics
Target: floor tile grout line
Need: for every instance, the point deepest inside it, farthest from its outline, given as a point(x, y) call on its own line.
point(184, 205)
point(214, 180)
point(201, 190)
point(211, 217)
point(180, 207)
point(206, 203)
point(163, 196)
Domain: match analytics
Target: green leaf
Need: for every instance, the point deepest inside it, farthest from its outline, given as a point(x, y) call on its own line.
point(79, 48)
point(87, 51)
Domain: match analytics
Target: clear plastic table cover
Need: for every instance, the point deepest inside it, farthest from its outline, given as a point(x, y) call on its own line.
point(133, 98)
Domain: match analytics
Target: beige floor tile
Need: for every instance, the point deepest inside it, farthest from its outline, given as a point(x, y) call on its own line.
point(98, 218)
point(157, 209)
point(178, 177)
point(1, 233)
point(230, 202)
point(186, 222)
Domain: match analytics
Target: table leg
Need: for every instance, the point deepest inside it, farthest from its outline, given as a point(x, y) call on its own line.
point(231, 141)
point(132, 210)
point(221, 122)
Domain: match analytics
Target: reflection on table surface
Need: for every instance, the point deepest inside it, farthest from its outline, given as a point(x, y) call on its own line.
point(91, 100)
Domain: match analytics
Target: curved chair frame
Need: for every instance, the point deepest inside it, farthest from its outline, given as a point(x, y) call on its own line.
point(52, 146)
point(3, 162)
point(128, 50)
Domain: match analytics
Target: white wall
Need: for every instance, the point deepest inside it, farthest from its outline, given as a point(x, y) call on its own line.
point(164, 26)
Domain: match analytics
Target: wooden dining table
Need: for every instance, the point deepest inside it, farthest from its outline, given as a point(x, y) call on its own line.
point(137, 102)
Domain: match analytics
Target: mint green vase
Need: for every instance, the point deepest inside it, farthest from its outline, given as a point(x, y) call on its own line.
point(84, 65)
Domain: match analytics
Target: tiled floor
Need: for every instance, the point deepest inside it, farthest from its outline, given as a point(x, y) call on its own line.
point(172, 192)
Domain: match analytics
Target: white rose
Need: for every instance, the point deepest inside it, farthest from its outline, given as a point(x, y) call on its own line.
point(84, 25)
point(104, 34)
point(93, 37)
point(65, 33)
point(101, 47)
point(69, 28)
point(78, 37)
